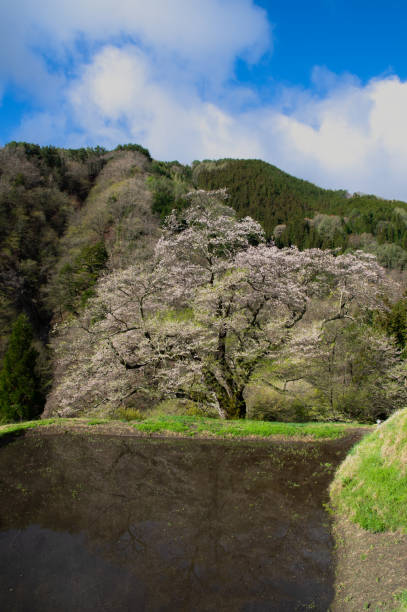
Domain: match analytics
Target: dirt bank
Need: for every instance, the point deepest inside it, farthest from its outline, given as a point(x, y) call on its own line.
point(371, 568)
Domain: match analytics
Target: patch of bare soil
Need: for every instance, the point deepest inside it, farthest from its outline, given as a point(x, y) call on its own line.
point(370, 568)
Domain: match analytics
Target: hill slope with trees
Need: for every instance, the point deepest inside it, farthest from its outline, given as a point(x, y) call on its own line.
point(66, 217)
point(293, 211)
point(77, 224)
point(215, 310)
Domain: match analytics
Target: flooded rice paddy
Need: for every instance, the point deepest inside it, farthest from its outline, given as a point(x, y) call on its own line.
point(113, 523)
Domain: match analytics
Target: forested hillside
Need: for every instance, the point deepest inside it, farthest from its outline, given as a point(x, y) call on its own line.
point(65, 217)
point(81, 255)
point(40, 190)
point(293, 211)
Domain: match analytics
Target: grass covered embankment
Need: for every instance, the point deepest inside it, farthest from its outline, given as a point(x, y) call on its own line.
point(369, 497)
point(371, 484)
point(194, 426)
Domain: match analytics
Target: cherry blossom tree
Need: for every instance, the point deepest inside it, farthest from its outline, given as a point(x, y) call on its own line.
point(214, 303)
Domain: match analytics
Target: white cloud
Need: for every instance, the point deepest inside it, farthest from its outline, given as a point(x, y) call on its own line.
point(353, 137)
point(198, 40)
point(118, 91)
point(161, 74)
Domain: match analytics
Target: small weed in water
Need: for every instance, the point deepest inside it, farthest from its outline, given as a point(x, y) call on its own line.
point(401, 599)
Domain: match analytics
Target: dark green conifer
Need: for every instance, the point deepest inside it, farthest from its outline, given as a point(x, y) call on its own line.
point(20, 392)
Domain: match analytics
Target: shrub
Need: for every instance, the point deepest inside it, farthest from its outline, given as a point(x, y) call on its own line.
point(183, 407)
point(265, 404)
point(128, 414)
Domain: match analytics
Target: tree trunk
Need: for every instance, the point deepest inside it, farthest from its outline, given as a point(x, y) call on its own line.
point(233, 405)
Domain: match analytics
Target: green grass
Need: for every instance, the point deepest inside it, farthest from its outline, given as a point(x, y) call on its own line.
point(371, 484)
point(201, 426)
point(17, 427)
point(401, 599)
point(196, 426)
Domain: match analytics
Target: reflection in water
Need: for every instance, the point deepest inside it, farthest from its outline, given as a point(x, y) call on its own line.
point(43, 569)
point(121, 523)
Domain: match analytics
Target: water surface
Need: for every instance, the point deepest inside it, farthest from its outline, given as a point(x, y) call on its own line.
point(91, 522)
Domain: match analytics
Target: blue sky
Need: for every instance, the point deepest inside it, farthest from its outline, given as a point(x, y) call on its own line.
point(318, 87)
point(365, 38)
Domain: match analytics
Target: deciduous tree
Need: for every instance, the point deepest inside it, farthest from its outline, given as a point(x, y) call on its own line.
point(213, 305)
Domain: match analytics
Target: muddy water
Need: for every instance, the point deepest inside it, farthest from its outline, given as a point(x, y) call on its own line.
point(90, 522)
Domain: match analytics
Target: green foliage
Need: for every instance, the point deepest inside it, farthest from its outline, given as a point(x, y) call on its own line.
point(394, 322)
point(169, 182)
point(134, 147)
point(401, 599)
point(263, 191)
point(267, 404)
point(84, 154)
point(77, 279)
point(163, 195)
point(305, 214)
point(370, 487)
point(360, 375)
point(30, 221)
point(20, 389)
point(128, 414)
point(391, 256)
point(167, 194)
point(41, 188)
point(56, 165)
point(172, 170)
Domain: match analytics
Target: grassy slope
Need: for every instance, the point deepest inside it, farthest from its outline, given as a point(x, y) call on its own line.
point(401, 598)
point(371, 485)
point(200, 427)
